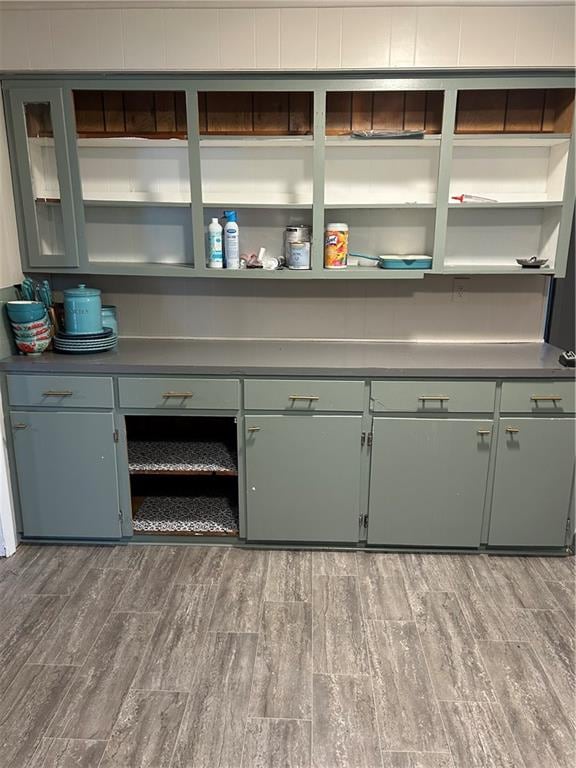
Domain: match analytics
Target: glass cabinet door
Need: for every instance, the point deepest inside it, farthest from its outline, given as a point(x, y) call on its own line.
point(44, 178)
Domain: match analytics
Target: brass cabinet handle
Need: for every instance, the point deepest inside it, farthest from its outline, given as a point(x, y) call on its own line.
point(20, 426)
point(512, 430)
point(433, 397)
point(253, 429)
point(553, 398)
point(178, 394)
point(303, 397)
point(483, 432)
point(58, 393)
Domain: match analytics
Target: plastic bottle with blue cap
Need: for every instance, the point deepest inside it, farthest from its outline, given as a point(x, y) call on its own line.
point(231, 241)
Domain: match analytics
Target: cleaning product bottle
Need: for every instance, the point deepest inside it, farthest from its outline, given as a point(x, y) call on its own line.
point(215, 256)
point(231, 241)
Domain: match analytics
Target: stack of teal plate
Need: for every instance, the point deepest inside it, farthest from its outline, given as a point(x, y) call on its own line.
point(86, 343)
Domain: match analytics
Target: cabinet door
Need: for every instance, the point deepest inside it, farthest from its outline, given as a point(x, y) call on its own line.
point(428, 481)
point(67, 476)
point(303, 477)
point(533, 482)
point(50, 208)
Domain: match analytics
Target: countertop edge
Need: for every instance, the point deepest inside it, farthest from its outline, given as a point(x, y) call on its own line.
point(290, 371)
point(534, 360)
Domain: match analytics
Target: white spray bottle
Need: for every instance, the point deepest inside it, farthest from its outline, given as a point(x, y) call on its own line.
point(231, 241)
point(215, 255)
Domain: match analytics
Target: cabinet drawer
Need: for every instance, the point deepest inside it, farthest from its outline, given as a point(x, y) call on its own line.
point(218, 394)
point(433, 396)
point(61, 391)
point(303, 395)
point(541, 396)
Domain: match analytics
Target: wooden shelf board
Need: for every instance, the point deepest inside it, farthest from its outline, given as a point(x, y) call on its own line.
point(184, 516)
point(183, 473)
point(181, 457)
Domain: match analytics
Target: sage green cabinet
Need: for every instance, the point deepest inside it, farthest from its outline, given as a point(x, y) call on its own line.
point(303, 478)
point(533, 482)
point(428, 481)
point(66, 473)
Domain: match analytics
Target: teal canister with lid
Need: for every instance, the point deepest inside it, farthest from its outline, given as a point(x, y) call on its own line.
point(82, 310)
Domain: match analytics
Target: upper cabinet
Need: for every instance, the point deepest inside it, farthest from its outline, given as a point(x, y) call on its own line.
point(384, 189)
point(132, 149)
point(42, 157)
point(257, 158)
point(510, 147)
point(124, 176)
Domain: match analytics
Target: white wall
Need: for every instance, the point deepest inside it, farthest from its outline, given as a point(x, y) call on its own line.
point(7, 528)
point(498, 309)
point(49, 36)
point(10, 273)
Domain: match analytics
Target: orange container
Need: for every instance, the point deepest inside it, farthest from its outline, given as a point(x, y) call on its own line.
point(336, 246)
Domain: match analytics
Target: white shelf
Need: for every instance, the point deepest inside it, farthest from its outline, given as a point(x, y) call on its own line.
point(230, 204)
point(349, 141)
point(138, 202)
point(131, 142)
point(507, 204)
point(489, 269)
point(216, 142)
point(367, 206)
point(509, 139)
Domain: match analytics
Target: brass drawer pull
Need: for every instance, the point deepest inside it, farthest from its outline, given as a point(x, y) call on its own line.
point(553, 398)
point(483, 432)
point(58, 393)
point(303, 397)
point(512, 430)
point(253, 429)
point(178, 394)
point(20, 426)
point(433, 397)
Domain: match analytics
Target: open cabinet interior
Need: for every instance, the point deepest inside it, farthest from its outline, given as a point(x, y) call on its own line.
point(486, 239)
point(183, 475)
point(385, 231)
point(530, 170)
point(517, 110)
point(135, 175)
point(151, 182)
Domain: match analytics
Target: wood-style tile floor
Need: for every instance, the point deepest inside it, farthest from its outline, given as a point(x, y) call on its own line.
point(209, 657)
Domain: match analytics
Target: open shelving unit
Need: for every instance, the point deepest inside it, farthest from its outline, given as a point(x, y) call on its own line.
point(183, 475)
point(121, 180)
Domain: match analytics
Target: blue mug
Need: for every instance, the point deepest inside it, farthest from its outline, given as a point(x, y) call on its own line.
point(82, 310)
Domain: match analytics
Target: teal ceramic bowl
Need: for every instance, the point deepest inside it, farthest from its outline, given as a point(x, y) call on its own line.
point(25, 311)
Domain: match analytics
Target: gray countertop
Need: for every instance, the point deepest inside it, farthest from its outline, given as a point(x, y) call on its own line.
point(305, 358)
